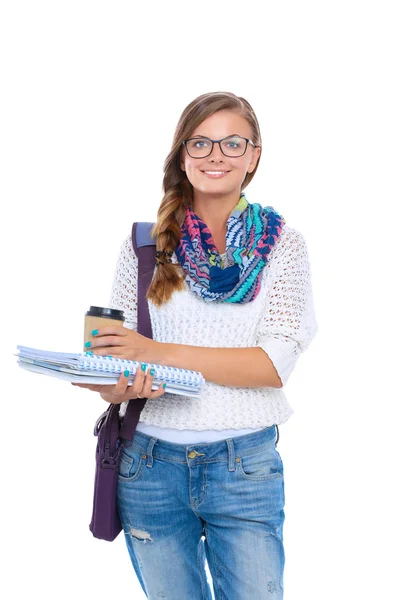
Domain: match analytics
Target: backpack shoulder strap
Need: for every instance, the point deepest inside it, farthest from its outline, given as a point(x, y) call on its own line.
point(141, 235)
point(145, 250)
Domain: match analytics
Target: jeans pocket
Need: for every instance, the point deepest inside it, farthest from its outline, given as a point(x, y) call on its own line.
point(131, 465)
point(263, 464)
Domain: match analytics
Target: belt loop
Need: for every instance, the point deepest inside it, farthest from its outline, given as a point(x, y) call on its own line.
point(231, 454)
point(150, 452)
point(277, 435)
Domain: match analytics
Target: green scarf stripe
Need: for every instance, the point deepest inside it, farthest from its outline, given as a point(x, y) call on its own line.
point(258, 225)
point(237, 256)
point(247, 283)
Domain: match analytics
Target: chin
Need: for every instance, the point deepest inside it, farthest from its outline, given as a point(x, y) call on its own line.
point(214, 190)
point(214, 187)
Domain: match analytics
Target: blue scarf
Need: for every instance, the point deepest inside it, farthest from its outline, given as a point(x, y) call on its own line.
point(251, 233)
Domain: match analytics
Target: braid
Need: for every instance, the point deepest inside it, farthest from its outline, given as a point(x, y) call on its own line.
point(160, 254)
point(168, 276)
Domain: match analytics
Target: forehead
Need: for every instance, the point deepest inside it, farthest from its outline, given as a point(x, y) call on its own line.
point(223, 123)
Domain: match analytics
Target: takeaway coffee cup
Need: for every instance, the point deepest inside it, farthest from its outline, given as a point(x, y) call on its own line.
point(98, 316)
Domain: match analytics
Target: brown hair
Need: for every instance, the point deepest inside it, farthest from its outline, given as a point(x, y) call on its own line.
point(178, 191)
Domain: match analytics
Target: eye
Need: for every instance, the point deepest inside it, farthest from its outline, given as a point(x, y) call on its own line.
point(199, 143)
point(234, 143)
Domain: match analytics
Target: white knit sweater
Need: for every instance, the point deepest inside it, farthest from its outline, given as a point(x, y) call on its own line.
point(280, 320)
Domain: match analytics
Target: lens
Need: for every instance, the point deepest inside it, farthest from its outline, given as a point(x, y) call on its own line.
point(199, 147)
point(233, 146)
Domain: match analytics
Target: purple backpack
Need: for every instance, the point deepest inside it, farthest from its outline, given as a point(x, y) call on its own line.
point(113, 432)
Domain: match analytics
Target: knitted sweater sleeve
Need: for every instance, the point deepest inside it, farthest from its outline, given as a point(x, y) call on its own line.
point(289, 323)
point(124, 288)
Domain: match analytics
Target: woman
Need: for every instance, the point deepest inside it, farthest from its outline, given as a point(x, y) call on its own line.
point(230, 297)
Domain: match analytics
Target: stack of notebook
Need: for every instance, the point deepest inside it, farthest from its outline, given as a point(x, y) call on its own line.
point(103, 370)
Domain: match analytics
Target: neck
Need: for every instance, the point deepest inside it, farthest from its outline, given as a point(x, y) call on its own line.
point(214, 210)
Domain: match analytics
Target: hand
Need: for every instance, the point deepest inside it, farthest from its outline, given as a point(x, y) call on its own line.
point(123, 343)
point(121, 392)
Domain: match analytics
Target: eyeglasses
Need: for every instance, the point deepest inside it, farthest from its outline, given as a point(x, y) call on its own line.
point(232, 146)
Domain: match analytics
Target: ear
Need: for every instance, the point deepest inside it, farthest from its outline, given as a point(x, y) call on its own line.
point(256, 156)
point(181, 161)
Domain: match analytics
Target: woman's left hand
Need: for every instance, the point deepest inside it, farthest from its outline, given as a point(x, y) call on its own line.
point(121, 342)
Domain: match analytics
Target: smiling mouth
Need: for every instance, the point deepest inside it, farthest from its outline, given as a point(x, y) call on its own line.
point(215, 174)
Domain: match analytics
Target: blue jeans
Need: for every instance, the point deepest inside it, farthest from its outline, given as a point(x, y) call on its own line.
point(180, 504)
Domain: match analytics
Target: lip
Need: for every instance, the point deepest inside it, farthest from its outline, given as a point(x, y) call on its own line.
point(214, 173)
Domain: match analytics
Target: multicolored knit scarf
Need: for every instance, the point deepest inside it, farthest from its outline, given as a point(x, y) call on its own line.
point(252, 232)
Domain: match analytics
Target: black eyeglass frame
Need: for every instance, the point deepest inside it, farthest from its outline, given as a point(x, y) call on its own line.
point(203, 137)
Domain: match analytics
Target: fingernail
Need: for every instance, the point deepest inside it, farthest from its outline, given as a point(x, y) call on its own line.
point(95, 331)
point(126, 373)
point(89, 352)
point(88, 344)
point(164, 385)
point(144, 366)
point(152, 372)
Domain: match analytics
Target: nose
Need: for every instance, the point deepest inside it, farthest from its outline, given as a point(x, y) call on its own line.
point(216, 154)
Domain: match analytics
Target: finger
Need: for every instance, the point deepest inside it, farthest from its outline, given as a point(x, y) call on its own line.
point(160, 391)
point(110, 330)
point(121, 386)
point(139, 380)
point(107, 340)
point(110, 351)
point(147, 384)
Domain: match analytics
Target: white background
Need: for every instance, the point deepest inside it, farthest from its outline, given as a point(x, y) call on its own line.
point(91, 94)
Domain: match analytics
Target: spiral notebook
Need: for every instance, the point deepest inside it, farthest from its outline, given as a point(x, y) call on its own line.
point(104, 370)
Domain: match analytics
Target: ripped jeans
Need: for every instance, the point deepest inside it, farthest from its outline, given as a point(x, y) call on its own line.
point(223, 502)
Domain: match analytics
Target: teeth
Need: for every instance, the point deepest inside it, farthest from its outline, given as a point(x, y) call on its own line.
point(214, 172)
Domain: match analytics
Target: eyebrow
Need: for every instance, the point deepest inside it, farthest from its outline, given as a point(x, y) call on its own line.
point(206, 136)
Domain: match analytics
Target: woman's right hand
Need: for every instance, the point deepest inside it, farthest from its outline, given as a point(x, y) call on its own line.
point(121, 392)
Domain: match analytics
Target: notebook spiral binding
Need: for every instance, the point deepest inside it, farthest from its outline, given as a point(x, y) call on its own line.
point(117, 365)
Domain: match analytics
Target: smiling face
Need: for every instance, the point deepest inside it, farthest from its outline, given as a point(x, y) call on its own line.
point(217, 174)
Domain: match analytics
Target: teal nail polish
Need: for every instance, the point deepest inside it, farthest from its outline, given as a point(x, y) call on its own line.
point(95, 331)
point(164, 385)
point(126, 373)
point(144, 366)
point(88, 344)
point(89, 352)
point(152, 372)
